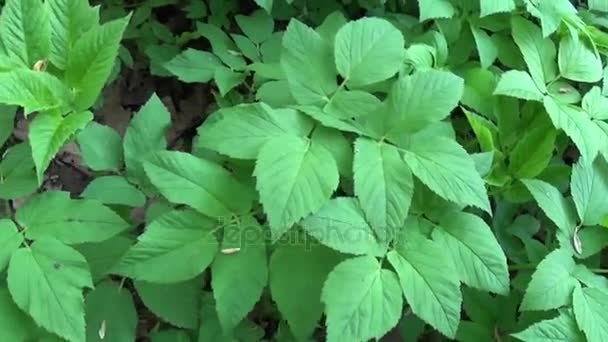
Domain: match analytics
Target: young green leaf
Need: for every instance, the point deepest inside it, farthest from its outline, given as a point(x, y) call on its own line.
point(193, 66)
point(34, 91)
point(368, 50)
point(552, 283)
point(429, 283)
point(48, 132)
point(518, 84)
point(159, 254)
point(25, 31)
point(561, 328)
point(110, 313)
point(362, 300)
point(101, 147)
point(54, 214)
point(478, 257)
point(447, 169)
point(114, 190)
point(589, 304)
point(46, 280)
point(577, 62)
point(285, 168)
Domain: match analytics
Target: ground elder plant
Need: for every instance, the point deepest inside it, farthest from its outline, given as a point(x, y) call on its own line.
point(366, 170)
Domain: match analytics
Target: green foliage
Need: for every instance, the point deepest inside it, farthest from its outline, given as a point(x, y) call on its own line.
point(431, 169)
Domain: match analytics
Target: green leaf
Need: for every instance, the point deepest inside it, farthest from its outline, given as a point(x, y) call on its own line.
point(598, 5)
point(221, 45)
point(25, 31)
point(48, 133)
point(576, 124)
point(589, 186)
point(182, 178)
point(144, 136)
point(429, 283)
point(238, 279)
point(258, 26)
point(193, 66)
point(368, 50)
point(383, 184)
point(346, 104)
point(553, 204)
point(518, 84)
point(101, 147)
point(227, 79)
point(478, 257)
point(114, 190)
point(595, 104)
point(435, 9)
point(102, 256)
point(33, 90)
point(69, 19)
point(46, 281)
point(307, 62)
point(538, 52)
point(589, 309)
point(18, 176)
point(159, 254)
point(265, 4)
point(487, 51)
point(533, 152)
point(10, 240)
point(341, 225)
point(242, 130)
point(54, 214)
point(7, 122)
point(174, 303)
point(425, 97)
point(552, 283)
point(15, 324)
point(285, 168)
point(447, 169)
point(91, 61)
point(298, 294)
point(577, 62)
point(489, 7)
point(110, 313)
point(362, 300)
point(561, 328)
point(339, 146)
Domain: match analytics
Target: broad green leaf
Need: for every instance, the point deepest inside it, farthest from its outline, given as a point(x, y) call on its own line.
point(110, 313)
point(383, 184)
point(238, 279)
point(341, 225)
point(10, 240)
point(489, 7)
point(435, 9)
point(285, 169)
point(598, 5)
point(33, 90)
point(258, 26)
point(564, 92)
point(275, 93)
point(518, 84)
point(429, 283)
point(595, 104)
point(339, 146)
point(7, 122)
point(18, 177)
point(25, 30)
point(346, 104)
point(478, 257)
point(48, 133)
point(101, 147)
point(533, 152)
point(184, 179)
point(15, 324)
point(577, 62)
point(424, 97)
point(329, 121)
point(194, 66)
point(144, 136)
point(576, 124)
point(308, 64)
point(554, 205)
point(561, 328)
point(114, 190)
point(170, 335)
point(221, 45)
point(69, 19)
point(447, 169)
point(102, 256)
point(589, 187)
point(552, 13)
point(46, 281)
point(54, 214)
point(331, 25)
point(175, 247)
point(589, 310)
point(174, 303)
point(538, 52)
point(487, 51)
point(91, 60)
point(242, 130)
point(298, 294)
point(362, 300)
point(226, 79)
point(368, 50)
point(552, 283)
